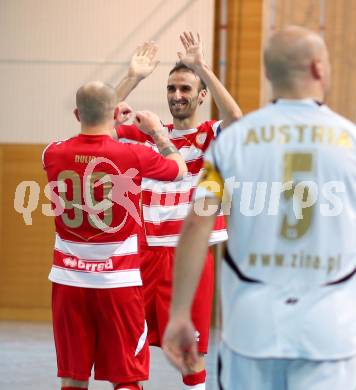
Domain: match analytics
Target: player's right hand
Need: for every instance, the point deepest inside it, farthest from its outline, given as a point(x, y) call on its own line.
point(125, 113)
point(143, 61)
point(148, 122)
point(179, 344)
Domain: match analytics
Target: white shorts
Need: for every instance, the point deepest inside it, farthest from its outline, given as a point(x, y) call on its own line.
point(237, 372)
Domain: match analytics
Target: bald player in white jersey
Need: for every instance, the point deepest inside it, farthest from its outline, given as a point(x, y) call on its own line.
point(288, 282)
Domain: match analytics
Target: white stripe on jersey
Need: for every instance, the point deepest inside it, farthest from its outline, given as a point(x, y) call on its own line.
point(43, 153)
point(216, 236)
point(181, 186)
point(160, 213)
point(189, 153)
point(97, 251)
point(163, 222)
point(111, 279)
point(200, 386)
point(179, 134)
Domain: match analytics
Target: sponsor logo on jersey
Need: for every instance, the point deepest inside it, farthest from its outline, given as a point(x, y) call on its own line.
point(70, 262)
point(92, 266)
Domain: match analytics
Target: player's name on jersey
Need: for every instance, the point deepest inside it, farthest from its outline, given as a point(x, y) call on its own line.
point(83, 159)
point(296, 260)
point(301, 133)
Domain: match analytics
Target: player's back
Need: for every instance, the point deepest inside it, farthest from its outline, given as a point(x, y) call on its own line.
point(93, 157)
point(286, 157)
point(97, 226)
point(292, 244)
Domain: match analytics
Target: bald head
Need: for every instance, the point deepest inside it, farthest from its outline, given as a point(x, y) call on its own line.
point(294, 55)
point(96, 103)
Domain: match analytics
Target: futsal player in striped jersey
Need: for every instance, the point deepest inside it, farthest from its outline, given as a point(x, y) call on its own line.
point(289, 275)
point(165, 205)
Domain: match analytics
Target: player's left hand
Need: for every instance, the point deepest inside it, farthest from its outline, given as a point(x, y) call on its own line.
point(125, 113)
point(193, 55)
point(179, 344)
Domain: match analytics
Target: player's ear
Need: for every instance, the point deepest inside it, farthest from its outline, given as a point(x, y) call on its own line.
point(202, 95)
point(116, 112)
point(76, 114)
point(317, 69)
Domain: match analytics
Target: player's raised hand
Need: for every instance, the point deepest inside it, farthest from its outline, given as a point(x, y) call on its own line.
point(148, 122)
point(193, 55)
point(143, 61)
point(179, 344)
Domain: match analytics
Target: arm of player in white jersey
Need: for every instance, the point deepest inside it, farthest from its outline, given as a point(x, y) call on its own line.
point(194, 59)
point(142, 64)
point(180, 340)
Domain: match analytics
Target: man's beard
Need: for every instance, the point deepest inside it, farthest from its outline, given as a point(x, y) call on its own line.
point(186, 112)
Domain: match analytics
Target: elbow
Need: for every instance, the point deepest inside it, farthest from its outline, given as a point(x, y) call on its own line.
point(236, 115)
point(231, 118)
point(182, 171)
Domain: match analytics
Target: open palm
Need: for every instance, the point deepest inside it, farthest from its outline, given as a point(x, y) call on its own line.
point(143, 61)
point(193, 50)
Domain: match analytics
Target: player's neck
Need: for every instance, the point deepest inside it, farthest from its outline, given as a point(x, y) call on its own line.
point(185, 124)
point(305, 92)
point(97, 130)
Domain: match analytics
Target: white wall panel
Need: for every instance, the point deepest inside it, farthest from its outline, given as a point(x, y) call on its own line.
point(49, 48)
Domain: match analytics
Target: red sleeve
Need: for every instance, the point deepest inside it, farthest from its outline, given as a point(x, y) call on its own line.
point(153, 165)
point(45, 155)
point(131, 132)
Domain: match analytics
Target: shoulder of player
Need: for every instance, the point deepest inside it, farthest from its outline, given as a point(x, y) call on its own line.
point(54, 147)
point(342, 121)
point(211, 127)
point(207, 125)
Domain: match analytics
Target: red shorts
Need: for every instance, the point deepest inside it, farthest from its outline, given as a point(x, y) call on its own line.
point(157, 276)
point(101, 327)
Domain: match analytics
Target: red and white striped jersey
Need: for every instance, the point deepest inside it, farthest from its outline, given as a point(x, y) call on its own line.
point(165, 205)
point(95, 185)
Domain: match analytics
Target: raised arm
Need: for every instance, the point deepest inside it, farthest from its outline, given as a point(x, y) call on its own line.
point(150, 124)
point(142, 64)
point(194, 59)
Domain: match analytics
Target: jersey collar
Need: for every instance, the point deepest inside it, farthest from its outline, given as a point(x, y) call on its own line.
point(310, 102)
point(177, 133)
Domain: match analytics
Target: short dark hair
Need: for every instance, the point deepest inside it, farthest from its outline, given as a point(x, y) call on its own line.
point(180, 67)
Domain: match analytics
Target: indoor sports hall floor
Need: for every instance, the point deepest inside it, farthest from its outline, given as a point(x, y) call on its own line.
point(27, 361)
